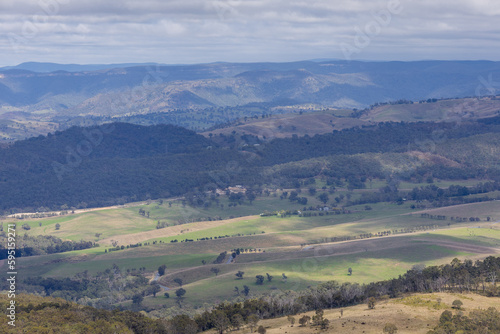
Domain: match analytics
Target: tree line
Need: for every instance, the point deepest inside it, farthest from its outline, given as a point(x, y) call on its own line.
point(42, 244)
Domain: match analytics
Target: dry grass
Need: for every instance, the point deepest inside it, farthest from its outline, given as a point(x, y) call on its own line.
point(441, 110)
point(285, 125)
point(171, 231)
point(481, 210)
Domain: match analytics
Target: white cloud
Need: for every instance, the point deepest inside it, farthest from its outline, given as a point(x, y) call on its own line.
point(190, 31)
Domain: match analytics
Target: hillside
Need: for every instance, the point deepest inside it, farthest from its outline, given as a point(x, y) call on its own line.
point(36, 314)
point(118, 163)
point(100, 164)
point(330, 83)
point(449, 110)
point(417, 313)
point(287, 125)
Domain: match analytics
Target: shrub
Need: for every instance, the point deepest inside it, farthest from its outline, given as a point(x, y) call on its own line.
point(371, 303)
point(390, 328)
point(457, 304)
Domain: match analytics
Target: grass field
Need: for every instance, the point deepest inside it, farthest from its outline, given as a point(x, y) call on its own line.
point(300, 247)
point(437, 111)
point(286, 125)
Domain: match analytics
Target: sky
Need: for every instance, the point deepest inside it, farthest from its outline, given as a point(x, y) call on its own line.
point(204, 31)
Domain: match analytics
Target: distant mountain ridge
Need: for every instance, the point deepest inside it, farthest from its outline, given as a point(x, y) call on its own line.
point(54, 67)
point(352, 84)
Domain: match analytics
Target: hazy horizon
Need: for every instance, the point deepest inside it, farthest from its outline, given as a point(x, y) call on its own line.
point(194, 32)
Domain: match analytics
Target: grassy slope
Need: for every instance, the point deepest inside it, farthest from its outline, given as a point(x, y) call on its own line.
point(286, 125)
point(448, 110)
point(411, 314)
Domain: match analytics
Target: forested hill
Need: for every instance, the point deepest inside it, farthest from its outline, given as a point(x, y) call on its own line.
point(117, 140)
point(119, 163)
point(36, 314)
point(102, 165)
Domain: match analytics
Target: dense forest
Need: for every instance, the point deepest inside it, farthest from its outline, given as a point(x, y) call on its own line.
point(118, 163)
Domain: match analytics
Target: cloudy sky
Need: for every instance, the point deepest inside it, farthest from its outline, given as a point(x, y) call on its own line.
point(200, 31)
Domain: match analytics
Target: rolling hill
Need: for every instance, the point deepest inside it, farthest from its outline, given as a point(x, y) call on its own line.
point(144, 89)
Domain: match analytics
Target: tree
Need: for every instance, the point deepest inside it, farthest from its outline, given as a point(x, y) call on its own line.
point(390, 328)
point(304, 320)
point(161, 270)
point(220, 321)
point(58, 226)
point(261, 330)
point(318, 317)
point(154, 289)
point(237, 321)
point(291, 320)
point(323, 197)
point(457, 304)
point(312, 191)
point(269, 277)
point(371, 303)
point(137, 299)
point(324, 324)
point(445, 317)
point(180, 293)
point(349, 271)
point(253, 320)
point(215, 271)
point(250, 196)
point(239, 274)
point(178, 281)
point(246, 290)
point(259, 279)
point(237, 290)
point(167, 295)
point(183, 324)
point(284, 278)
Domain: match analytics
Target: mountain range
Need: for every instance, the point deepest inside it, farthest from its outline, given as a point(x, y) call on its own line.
point(94, 89)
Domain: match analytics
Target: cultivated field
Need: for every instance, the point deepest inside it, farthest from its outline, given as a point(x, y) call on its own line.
point(303, 248)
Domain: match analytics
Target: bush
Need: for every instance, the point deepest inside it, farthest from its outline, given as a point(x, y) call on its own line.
point(457, 304)
point(371, 303)
point(390, 328)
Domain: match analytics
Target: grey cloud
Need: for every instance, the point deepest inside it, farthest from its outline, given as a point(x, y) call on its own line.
point(242, 30)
